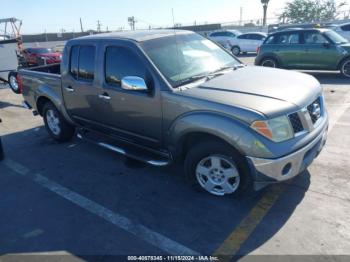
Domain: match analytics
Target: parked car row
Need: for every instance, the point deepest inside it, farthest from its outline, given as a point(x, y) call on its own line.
point(237, 42)
point(36, 56)
point(292, 48)
point(308, 49)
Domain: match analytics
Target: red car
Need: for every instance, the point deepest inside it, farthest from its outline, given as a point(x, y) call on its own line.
point(40, 56)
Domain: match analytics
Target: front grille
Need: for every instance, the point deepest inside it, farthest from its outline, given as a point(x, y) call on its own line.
point(296, 123)
point(311, 108)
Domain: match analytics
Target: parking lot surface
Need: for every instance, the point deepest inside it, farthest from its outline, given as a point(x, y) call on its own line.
point(79, 199)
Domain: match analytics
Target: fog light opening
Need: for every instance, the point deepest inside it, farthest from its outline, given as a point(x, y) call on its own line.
point(286, 169)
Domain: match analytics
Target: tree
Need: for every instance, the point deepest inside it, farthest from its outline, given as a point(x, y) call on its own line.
point(265, 4)
point(310, 11)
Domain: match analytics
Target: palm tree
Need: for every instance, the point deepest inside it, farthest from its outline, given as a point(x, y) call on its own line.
point(265, 4)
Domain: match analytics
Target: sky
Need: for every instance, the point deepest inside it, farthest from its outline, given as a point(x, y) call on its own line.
point(39, 16)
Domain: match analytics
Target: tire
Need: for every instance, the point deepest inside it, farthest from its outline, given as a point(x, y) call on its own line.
point(345, 68)
point(12, 79)
point(235, 50)
point(269, 62)
point(231, 178)
point(57, 127)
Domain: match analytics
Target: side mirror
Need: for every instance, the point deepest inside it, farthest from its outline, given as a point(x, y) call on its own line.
point(134, 83)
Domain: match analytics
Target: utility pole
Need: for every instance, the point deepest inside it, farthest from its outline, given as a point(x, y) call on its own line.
point(99, 26)
point(81, 26)
point(132, 22)
point(265, 4)
point(241, 16)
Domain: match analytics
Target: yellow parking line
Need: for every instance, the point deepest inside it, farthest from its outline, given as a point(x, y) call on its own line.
point(234, 241)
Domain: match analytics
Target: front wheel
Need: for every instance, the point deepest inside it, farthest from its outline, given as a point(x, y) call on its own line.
point(345, 68)
point(58, 128)
point(216, 168)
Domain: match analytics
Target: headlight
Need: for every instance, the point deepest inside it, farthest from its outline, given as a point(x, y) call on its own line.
point(277, 129)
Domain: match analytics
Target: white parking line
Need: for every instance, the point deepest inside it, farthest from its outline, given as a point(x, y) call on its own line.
point(163, 243)
point(339, 112)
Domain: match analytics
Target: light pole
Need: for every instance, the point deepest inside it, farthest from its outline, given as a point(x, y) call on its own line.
point(265, 4)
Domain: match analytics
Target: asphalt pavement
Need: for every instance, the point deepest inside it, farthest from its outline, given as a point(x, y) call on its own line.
point(78, 200)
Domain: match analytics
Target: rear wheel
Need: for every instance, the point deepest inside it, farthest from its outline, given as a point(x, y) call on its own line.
point(57, 127)
point(236, 50)
point(216, 168)
point(345, 68)
point(269, 62)
point(12, 79)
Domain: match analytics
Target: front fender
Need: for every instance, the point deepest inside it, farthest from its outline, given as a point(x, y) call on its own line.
point(234, 132)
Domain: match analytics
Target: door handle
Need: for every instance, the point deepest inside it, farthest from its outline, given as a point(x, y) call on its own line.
point(104, 96)
point(70, 89)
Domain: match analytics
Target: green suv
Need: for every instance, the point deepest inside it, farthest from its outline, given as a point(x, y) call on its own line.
point(309, 49)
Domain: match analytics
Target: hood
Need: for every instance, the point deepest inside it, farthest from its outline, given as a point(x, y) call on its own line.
point(266, 90)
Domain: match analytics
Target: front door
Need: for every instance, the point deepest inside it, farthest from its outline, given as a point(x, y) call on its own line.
point(318, 52)
point(133, 115)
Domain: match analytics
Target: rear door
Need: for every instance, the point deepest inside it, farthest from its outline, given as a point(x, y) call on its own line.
point(256, 40)
point(287, 46)
point(133, 115)
point(242, 42)
point(79, 88)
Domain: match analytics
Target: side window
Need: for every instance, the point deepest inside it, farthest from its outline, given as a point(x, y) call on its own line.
point(82, 62)
point(214, 34)
point(346, 27)
point(294, 38)
point(229, 34)
point(282, 39)
point(86, 63)
point(270, 40)
point(121, 62)
point(257, 37)
point(314, 38)
point(242, 37)
point(74, 61)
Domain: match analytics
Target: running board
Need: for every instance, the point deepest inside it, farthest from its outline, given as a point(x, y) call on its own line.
point(148, 158)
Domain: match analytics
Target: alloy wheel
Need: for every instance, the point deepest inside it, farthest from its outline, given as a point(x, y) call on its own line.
point(217, 175)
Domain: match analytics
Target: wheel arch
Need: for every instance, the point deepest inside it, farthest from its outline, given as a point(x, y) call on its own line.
point(342, 60)
point(271, 56)
point(199, 126)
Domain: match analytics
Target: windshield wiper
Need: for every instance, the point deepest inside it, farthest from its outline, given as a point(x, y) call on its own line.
point(191, 80)
point(207, 76)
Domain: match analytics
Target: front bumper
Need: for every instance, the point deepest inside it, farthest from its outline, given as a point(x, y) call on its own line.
point(284, 168)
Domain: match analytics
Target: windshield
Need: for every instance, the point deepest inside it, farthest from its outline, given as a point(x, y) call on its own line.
point(42, 51)
point(335, 37)
point(184, 57)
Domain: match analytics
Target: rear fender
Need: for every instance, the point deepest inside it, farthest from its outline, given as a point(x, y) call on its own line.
point(44, 91)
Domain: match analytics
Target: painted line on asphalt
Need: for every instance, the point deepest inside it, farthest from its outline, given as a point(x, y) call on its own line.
point(242, 232)
point(339, 112)
point(159, 241)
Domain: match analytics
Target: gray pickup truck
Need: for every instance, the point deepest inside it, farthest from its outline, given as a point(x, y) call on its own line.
point(168, 96)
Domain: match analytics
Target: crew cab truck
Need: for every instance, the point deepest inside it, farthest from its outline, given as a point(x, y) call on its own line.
point(162, 96)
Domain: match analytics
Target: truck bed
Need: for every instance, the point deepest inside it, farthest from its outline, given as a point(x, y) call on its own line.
point(41, 80)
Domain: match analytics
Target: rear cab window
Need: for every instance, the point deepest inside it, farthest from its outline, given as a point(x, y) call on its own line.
point(82, 63)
